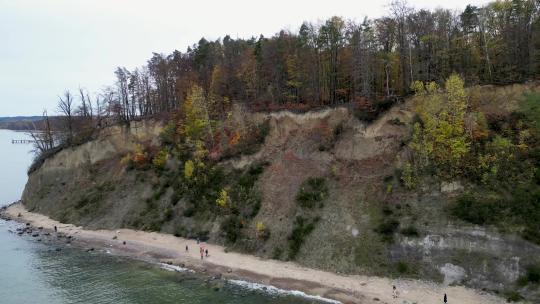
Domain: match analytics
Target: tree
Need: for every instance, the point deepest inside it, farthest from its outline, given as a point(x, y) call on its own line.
point(197, 121)
point(66, 108)
point(43, 137)
point(442, 139)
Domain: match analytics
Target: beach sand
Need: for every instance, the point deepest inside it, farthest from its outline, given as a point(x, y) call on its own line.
point(165, 248)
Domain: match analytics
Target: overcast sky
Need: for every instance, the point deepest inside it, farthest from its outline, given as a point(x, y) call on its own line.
point(47, 46)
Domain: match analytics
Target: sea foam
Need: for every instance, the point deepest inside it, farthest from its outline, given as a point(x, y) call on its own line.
point(174, 268)
point(278, 291)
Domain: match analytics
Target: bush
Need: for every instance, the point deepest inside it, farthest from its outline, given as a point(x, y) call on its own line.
point(169, 133)
point(532, 276)
point(189, 211)
point(469, 209)
point(160, 159)
point(402, 267)
point(231, 227)
point(168, 215)
point(301, 229)
point(277, 253)
point(312, 191)
point(513, 296)
point(410, 231)
point(522, 210)
point(387, 228)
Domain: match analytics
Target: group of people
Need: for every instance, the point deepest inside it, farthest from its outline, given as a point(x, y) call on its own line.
point(395, 294)
point(203, 251)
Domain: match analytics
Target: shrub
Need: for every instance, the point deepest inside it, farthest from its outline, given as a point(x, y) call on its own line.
point(402, 267)
point(262, 231)
point(469, 209)
point(301, 229)
point(312, 191)
point(532, 276)
point(168, 215)
point(175, 197)
point(407, 176)
point(531, 109)
point(410, 231)
point(247, 143)
point(160, 159)
point(223, 199)
point(189, 167)
point(387, 228)
point(169, 133)
point(231, 227)
point(189, 211)
point(277, 253)
point(513, 296)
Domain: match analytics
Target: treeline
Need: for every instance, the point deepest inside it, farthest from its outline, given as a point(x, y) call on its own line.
point(340, 60)
point(336, 61)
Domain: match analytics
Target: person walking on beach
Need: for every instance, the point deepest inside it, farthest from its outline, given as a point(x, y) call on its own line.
point(55, 229)
point(206, 251)
point(187, 249)
point(394, 292)
point(201, 250)
point(445, 299)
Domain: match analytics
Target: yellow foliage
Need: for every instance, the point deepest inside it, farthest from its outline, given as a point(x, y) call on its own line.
point(189, 168)
point(223, 198)
point(260, 227)
point(443, 138)
point(200, 150)
point(196, 114)
point(407, 176)
point(126, 159)
point(161, 159)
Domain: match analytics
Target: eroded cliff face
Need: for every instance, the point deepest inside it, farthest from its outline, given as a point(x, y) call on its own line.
point(95, 167)
point(88, 185)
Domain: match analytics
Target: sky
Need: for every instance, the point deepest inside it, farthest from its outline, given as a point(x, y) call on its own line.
point(48, 46)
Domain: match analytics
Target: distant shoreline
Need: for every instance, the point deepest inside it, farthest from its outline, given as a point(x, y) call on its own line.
point(170, 250)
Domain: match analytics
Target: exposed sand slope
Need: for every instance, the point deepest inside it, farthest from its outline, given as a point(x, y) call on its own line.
point(348, 289)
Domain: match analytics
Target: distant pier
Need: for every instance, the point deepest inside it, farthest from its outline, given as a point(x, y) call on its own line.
point(22, 141)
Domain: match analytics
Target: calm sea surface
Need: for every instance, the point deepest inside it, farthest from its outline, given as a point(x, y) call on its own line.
point(34, 272)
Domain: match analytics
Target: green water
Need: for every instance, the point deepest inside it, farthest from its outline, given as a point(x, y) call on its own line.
point(34, 272)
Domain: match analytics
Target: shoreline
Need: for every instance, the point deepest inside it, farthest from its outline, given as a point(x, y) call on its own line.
point(167, 249)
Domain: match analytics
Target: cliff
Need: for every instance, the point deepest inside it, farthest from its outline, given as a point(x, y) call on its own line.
point(322, 188)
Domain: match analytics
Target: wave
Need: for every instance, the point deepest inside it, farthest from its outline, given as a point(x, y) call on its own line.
point(277, 291)
point(174, 268)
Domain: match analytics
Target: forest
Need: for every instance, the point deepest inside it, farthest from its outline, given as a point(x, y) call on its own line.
point(367, 65)
point(335, 61)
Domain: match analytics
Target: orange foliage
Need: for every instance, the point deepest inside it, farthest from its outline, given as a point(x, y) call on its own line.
point(235, 138)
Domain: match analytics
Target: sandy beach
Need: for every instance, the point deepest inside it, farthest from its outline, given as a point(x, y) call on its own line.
point(166, 248)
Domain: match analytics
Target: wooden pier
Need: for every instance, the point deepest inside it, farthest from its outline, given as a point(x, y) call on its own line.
point(22, 141)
